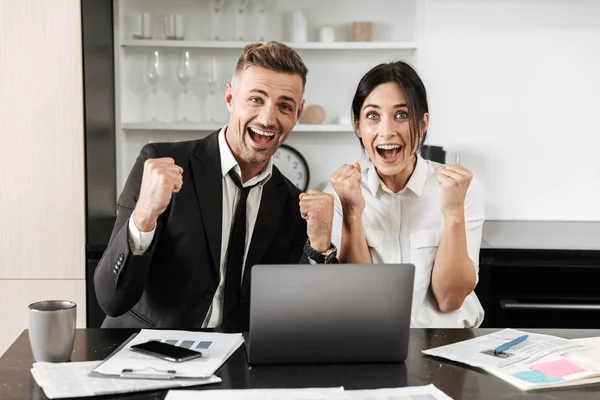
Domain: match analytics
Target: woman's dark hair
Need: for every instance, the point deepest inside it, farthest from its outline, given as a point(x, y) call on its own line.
point(414, 90)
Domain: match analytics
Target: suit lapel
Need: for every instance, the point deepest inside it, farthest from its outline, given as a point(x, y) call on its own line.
point(269, 216)
point(208, 181)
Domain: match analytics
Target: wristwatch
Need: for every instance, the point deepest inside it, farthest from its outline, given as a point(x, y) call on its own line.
point(329, 257)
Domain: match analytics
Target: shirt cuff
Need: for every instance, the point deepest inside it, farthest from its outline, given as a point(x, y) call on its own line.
point(139, 241)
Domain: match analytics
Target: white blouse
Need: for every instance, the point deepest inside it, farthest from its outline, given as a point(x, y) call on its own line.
point(406, 227)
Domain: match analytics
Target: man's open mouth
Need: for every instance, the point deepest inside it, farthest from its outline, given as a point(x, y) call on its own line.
point(259, 137)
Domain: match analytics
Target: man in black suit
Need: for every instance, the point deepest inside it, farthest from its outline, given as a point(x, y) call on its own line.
point(195, 216)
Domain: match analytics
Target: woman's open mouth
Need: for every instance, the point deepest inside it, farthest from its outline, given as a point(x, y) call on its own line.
point(389, 153)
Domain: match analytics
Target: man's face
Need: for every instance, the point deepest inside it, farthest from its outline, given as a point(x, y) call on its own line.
point(264, 107)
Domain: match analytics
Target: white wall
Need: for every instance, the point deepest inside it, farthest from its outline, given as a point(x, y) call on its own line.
point(514, 87)
point(42, 232)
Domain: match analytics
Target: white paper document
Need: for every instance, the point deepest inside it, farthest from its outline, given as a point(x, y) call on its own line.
point(216, 348)
point(66, 380)
point(539, 362)
point(429, 392)
point(259, 394)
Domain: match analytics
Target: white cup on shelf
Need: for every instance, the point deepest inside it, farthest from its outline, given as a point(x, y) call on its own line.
point(179, 27)
point(142, 26)
point(327, 34)
point(299, 27)
point(174, 26)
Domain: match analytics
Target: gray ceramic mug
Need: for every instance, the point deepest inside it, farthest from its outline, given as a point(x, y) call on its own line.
point(52, 329)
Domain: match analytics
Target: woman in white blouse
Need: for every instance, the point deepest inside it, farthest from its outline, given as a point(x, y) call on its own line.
point(405, 209)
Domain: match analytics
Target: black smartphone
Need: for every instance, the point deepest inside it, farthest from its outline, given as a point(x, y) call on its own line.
point(166, 351)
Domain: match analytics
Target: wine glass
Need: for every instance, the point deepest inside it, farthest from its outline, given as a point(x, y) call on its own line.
point(217, 12)
point(240, 17)
point(212, 82)
point(152, 77)
point(184, 77)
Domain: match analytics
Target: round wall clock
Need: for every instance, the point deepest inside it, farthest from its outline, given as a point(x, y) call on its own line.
point(292, 165)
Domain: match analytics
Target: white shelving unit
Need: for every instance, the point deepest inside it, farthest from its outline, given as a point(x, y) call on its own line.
point(335, 69)
point(210, 127)
point(203, 44)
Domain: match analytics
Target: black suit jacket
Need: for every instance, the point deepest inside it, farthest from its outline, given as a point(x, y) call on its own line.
point(173, 283)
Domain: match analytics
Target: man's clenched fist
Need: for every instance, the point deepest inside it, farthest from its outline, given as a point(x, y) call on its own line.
point(161, 178)
point(316, 208)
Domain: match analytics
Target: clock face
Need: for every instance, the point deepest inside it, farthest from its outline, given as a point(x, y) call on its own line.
point(292, 165)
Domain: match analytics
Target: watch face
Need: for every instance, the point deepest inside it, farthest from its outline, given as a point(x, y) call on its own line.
point(329, 257)
point(292, 165)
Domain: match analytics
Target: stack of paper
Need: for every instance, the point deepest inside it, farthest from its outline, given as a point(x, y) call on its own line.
point(216, 348)
point(64, 380)
point(259, 394)
point(429, 392)
point(539, 362)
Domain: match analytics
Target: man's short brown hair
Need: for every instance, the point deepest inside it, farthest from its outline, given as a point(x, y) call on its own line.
point(274, 56)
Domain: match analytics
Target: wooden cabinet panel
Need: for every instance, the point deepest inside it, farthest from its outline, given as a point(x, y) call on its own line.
point(42, 228)
point(16, 295)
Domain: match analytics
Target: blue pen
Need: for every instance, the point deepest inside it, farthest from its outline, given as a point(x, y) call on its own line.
point(502, 348)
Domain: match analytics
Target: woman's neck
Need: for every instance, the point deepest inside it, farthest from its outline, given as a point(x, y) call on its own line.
point(398, 182)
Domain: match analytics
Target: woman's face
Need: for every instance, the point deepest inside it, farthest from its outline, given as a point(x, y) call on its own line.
point(384, 130)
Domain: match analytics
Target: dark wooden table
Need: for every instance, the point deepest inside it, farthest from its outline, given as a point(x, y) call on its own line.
point(457, 381)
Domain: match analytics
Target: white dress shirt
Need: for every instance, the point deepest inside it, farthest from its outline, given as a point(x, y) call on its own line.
point(140, 241)
point(406, 227)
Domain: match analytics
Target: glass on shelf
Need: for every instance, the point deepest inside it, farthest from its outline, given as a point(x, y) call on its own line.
point(152, 76)
point(212, 93)
point(240, 17)
point(185, 74)
point(216, 19)
point(212, 83)
point(261, 20)
point(174, 26)
point(142, 26)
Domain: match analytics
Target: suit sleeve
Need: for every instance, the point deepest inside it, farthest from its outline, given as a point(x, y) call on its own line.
point(120, 277)
point(139, 241)
point(296, 254)
point(299, 240)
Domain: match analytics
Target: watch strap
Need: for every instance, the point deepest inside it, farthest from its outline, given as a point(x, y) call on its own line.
point(320, 258)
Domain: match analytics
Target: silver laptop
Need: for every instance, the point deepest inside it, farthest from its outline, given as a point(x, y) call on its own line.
point(330, 313)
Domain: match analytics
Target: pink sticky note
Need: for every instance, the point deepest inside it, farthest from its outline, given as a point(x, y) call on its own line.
point(558, 369)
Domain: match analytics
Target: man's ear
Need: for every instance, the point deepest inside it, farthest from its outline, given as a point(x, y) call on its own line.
point(229, 97)
point(300, 110)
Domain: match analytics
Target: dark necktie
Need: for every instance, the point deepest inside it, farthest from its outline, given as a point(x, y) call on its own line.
point(235, 260)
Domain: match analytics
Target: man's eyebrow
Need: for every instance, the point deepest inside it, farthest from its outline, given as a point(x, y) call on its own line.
point(285, 98)
point(288, 98)
point(260, 91)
